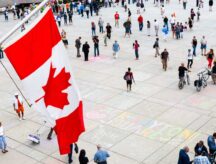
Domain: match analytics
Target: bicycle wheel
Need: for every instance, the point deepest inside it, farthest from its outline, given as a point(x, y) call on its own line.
point(198, 88)
point(181, 84)
point(188, 79)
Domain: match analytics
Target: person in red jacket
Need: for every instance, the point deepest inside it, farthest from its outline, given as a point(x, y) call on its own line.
point(140, 21)
point(116, 16)
point(136, 48)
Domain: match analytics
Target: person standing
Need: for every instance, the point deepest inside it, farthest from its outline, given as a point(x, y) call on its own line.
point(194, 45)
point(64, 38)
point(128, 77)
point(3, 144)
point(184, 4)
point(70, 15)
point(210, 57)
point(65, 18)
point(164, 59)
point(78, 45)
point(18, 106)
point(93, 28)
point(165, 32)
point(58, 18)
point(213, 71)
point(101, 156)
point(148, 28)
point(87, 9)
point(156, 27)
point(105, 40)
point(74, 147)
point(100, 24)
point(82, 157)
point(190, 59)
point(96, 46)
point(210, 5)
point(116, 49)
point(136, 48)
point(116, 16)
point(183, 156)
point(156, 47)
point(85, 50)
point(203, 46)
point(140, 21)
point(127, 26)
point(108, 30)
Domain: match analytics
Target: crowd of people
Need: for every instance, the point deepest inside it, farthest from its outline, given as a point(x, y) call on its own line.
point(65, 12)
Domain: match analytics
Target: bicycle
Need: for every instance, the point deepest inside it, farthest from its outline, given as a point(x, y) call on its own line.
point(182, 81)
point(202, 79)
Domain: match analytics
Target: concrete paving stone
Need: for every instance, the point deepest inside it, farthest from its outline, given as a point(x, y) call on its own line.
point(105, 135)
point(50, 160)
point(149, 109)
point(136, 147)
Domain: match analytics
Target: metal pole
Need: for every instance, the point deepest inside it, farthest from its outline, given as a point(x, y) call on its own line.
point(6, 36)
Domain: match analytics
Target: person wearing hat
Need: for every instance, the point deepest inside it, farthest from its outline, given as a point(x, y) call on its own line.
point(101, 156)
point(18, 106)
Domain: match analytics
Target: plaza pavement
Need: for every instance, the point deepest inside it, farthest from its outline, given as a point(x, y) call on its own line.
point(148, 125)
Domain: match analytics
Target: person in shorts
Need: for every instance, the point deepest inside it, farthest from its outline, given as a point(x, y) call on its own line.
point(129, 79)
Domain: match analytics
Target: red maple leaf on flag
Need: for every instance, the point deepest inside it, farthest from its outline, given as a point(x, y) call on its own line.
point(54, 95)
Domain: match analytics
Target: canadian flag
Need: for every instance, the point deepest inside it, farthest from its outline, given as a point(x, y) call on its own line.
point(40, 60)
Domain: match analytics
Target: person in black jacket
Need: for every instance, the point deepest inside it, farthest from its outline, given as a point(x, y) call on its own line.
point(85, 50)
point(82, 157)
point(200, 148)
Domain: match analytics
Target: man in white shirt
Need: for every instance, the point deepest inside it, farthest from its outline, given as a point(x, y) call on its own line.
point(201, 159)
point(156, 27)
point(3, 144)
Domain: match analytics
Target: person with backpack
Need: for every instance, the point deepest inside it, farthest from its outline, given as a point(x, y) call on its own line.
point(194, 45)
point(82, 157)
point(136, 48)
point(156, 47)
point(128, 77)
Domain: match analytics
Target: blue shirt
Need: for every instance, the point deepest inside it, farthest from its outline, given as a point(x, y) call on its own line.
point(116, 47)
point(101, 156)
point(211, 143)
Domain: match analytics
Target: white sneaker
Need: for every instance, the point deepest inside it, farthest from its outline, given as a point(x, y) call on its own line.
point(23, 118)
point(20, 119)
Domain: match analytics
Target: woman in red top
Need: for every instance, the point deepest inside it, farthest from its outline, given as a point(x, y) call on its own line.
point(210, 57)
point(129, 79)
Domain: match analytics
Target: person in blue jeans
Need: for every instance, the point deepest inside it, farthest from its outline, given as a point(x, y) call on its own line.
point(96, 46)
point(3, 144)
point(194, 45)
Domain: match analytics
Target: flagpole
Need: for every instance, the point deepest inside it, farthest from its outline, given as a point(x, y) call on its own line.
point(12, 31)
point(15, 84)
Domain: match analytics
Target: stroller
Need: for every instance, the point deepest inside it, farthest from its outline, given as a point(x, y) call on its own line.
point(35, 138)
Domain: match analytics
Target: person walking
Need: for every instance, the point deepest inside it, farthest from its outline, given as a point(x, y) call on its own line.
point(64, 38)
point(156, 27)
point(164, 59)
point(96, 46)
point(116, 49)
point(194, 45)
point(73, 147)
point(78, 45)
point(165, 32)
point(129, 78)
point(136, 48)
point(203, 46)
point(101, 156)
point(184, 4)
point(148, 28)
point(82, 157)
point(70, 16)
point(127, 26)
point(85, 50)
point(18, 106)
point(105, 40)
point(116, 16)
point(93, 28)
point(65, 18)
point(101, 24)
point(58, 18)
point(140, 21)
point(87, 10)
point(3, 144)
point(1, 53)
point(108, 30)
point(156, 47)
point(190, 59)
point(210, 57)
point(210, 5)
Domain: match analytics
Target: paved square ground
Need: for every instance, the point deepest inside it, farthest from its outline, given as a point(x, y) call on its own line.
point(148, 125)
